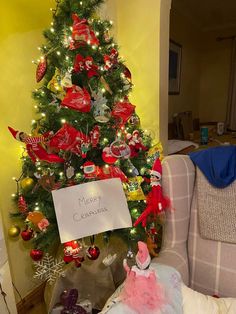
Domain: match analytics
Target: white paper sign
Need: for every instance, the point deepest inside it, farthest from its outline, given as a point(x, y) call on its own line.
point(91, 208)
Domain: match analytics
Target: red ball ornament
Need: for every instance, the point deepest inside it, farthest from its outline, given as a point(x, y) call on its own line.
point(93, 252)
point(36, 255)
point(107, 156)
point(27, 234)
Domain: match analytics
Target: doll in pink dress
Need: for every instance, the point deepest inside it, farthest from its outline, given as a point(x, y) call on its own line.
point(141, 291)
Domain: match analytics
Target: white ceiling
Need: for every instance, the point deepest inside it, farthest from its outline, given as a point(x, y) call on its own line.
point(208, 14)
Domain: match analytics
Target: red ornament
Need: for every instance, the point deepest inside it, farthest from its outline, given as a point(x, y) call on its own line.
point(72, 253)
point(81, 31)
point(107, 172)
point(36, 255)
point(95, 135)
point(27, 234)
point(86, 64)
point(107, 156)
point(41, 69)
point(69, 139)
point(123, 110)
point(120, 149)
point(90, 170)
point(93, 252)
point(22, 206)
point(127, 74)
point(77, 98)
point(110, 59)
point(135, 143)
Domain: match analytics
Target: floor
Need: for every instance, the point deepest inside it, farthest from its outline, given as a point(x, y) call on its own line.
point(40, 308)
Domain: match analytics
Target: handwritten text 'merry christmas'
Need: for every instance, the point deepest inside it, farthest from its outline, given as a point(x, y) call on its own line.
point(89, 207)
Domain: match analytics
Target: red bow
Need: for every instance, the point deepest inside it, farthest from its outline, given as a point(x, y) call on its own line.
point(87, 64)
point(110, 59)
point(82, 32)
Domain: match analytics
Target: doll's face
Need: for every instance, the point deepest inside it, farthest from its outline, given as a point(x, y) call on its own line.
point(155, 179)
point(22, 136)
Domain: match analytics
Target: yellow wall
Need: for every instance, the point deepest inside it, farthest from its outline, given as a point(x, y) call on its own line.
point(21, 25)
point(184, 33)
point(137, 46)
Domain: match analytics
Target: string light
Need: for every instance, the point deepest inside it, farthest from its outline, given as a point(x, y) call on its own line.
point(36, 208)
point(13, 178)
point(52, 29)
point(43, 114)
point(63, 121)
point(13, 195)
point(81, 3)
point(67, 58)
point(58, 53)
point(133, 231)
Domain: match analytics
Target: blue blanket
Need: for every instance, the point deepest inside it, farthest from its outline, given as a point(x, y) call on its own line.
point(218, 164)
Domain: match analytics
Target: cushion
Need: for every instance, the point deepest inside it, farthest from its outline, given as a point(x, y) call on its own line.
point(195, 303)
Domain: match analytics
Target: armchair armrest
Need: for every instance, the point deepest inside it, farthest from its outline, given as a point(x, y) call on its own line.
point(178, 174)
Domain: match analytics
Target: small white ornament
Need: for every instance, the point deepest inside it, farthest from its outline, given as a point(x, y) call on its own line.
point(109, 259)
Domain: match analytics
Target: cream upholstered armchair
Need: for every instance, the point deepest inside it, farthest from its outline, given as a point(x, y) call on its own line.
point(207, 266)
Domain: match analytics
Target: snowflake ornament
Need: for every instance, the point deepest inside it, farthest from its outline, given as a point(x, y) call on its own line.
point(49, 269)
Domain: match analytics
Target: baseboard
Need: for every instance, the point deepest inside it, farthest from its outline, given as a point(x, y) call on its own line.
point(31, 300)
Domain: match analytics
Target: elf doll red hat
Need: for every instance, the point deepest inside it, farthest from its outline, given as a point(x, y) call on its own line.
point(143, 257)
point(16, 134)
point(157, 169)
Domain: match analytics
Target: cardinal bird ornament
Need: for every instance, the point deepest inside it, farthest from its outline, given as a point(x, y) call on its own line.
point(156, 202)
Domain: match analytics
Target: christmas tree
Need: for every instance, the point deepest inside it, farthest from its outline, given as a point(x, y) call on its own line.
point(85, 130)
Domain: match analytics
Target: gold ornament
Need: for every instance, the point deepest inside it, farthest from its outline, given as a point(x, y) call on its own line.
point(14, 231)
point(27, 184)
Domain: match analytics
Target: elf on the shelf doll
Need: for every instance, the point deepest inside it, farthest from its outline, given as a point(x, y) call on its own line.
point(34, 146)
point(141, 291)
point(156, 202)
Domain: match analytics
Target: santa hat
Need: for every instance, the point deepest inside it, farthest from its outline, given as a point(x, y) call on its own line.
point(16, 134)
point(142, 258)
point(156, 168)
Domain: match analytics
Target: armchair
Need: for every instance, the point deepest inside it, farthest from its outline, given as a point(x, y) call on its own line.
point(206, 266)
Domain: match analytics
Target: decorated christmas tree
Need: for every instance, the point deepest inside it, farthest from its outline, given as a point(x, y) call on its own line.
point(85, 130)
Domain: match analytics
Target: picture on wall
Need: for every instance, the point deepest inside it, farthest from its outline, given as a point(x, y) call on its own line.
point(175, 52)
